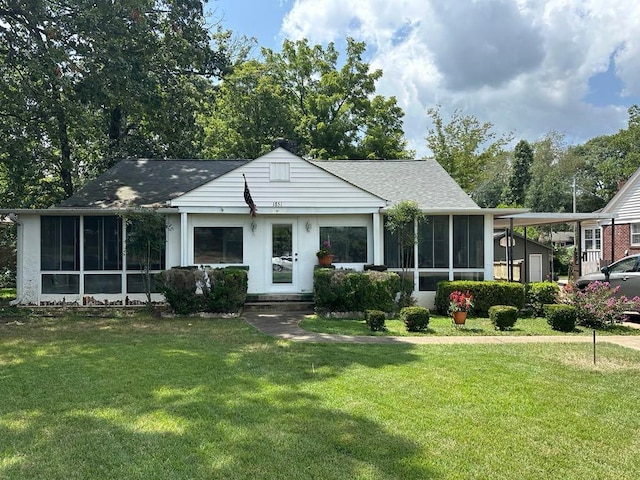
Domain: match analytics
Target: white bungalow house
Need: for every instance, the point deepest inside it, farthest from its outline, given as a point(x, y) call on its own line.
point(77, 249)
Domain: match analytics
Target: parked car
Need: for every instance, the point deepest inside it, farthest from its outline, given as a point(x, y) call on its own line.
point(624, 273)
point(282, 263)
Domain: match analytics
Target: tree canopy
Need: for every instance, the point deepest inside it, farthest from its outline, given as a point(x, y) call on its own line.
point(84, 83)
point(302, 95)
point(464, 146)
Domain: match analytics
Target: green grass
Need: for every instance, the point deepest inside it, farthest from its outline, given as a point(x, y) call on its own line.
point(189, 398)
point(443, 326)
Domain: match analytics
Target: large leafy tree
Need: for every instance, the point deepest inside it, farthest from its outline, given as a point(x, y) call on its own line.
point(303, 95)
point(490, 190)
point(248, 112)
point(83, 83)
point(551, 176)
point(605, 162)
point(464, 146)
point(520, 177)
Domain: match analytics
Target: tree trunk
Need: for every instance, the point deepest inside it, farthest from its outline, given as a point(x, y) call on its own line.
point(66, 166)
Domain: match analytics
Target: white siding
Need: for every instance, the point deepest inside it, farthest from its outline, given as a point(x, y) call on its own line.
point(628, 208)
point(626, 204)
point(308, 187)
point(173, 241)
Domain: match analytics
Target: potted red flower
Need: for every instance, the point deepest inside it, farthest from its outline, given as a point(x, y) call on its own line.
point(325, 255)
point(459, 305)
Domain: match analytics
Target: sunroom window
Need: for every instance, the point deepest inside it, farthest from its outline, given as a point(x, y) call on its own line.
point(468, 241)
point(59, 243)
point(433, 242)
point(102, 243)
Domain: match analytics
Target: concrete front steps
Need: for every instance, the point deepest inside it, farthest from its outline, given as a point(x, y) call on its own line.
point(271, 302)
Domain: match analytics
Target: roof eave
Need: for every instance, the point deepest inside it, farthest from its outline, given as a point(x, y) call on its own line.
point(79, 210)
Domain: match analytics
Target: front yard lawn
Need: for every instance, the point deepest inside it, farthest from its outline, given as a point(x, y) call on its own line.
point(191, 398)
point(443, 326)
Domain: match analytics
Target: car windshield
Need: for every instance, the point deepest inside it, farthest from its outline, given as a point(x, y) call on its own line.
point(624, 265)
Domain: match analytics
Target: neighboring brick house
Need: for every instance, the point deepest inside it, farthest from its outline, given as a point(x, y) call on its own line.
point(607, 241)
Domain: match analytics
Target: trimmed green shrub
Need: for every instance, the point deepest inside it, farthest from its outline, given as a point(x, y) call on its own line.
point(226, 290)
point(539, 294)
point(503, 317)
point(351, 291)
point(561, 317)
point(416, 319)
point(179, 286)
point(485, 295)
point(375, 320)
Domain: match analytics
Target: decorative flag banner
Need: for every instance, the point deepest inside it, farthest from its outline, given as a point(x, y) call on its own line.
point(248, 199)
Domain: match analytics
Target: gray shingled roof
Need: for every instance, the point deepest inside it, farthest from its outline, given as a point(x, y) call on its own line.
point(143, 182)
point(423, 181)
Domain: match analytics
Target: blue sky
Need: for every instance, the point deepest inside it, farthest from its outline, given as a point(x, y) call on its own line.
point(527, 66)
point(254, 18)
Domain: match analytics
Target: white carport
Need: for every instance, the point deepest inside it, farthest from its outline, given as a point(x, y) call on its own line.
point(530, 219)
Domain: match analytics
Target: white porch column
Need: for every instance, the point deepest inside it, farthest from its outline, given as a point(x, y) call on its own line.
point(488, 247)
point(184, 238)
point(378, 239)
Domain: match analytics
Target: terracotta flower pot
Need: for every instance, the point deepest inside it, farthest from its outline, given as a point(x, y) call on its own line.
point(326, 260)
point(459, 318)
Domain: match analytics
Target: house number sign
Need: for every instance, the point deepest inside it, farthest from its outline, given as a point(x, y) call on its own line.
point(277, 204)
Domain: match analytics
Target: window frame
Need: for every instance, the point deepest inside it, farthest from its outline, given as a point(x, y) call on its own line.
point(462, 242)
point(60, 254)
point(632, 227)
point(347, 232)
point(105, 250)
point(595, 241)
point(433, 224)
point(239, 231)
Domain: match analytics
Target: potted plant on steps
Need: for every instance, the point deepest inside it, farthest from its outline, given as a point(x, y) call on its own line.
point(459, 305)
point(325, 257)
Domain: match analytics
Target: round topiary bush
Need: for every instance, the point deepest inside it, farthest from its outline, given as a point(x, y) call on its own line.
point(561, 317)
point(375, 320)
point(416, 319)
point(503, 317)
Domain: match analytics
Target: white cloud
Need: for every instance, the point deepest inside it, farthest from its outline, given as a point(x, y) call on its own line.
point(523, 65)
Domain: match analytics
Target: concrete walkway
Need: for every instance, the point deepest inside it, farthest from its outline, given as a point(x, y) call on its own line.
point(286, 326)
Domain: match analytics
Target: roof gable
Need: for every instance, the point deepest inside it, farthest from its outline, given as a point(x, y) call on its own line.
point(625, 204)
point(280, 181)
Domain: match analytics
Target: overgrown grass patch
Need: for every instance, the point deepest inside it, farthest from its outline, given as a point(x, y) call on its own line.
point(144, 398)
point(443, 326)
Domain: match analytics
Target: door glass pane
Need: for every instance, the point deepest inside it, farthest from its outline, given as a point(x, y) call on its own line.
point(281, 253)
